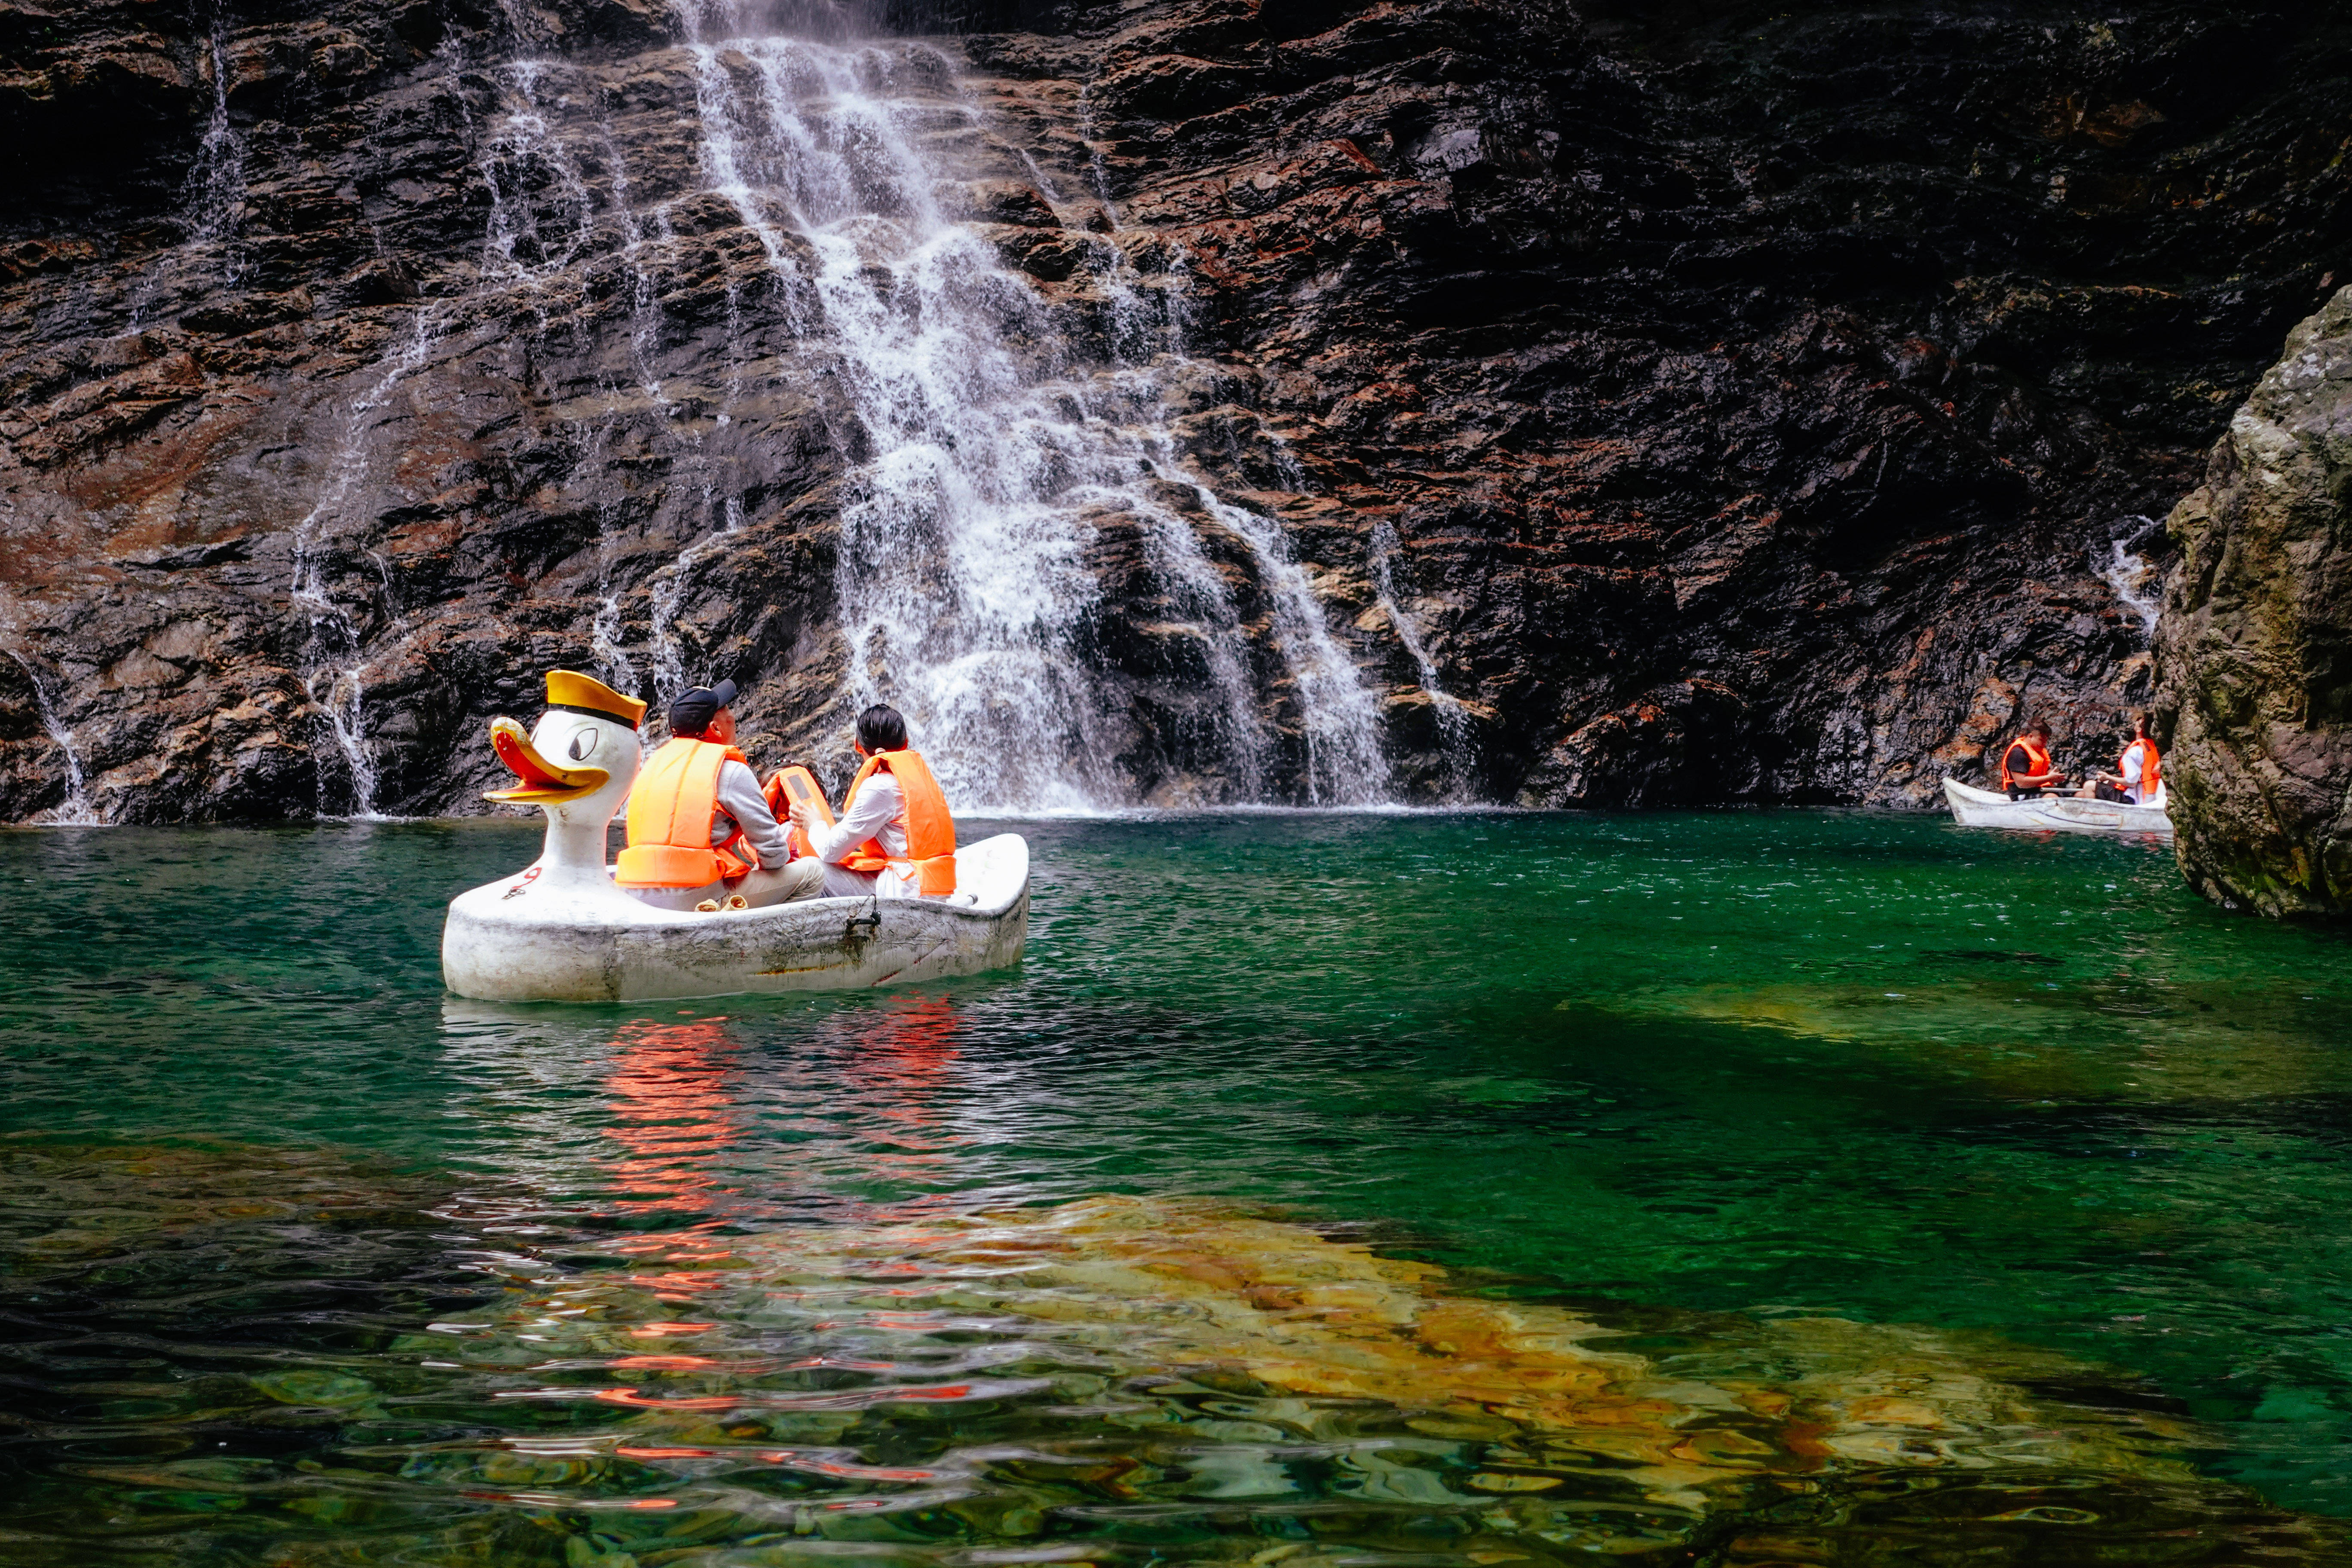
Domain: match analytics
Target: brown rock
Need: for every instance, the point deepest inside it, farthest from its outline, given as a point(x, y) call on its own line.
point(1729, 406)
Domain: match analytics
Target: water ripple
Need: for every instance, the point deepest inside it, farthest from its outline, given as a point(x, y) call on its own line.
point(1528, 1233)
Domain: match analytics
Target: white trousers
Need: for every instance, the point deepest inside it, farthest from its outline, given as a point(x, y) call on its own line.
point(841, 883)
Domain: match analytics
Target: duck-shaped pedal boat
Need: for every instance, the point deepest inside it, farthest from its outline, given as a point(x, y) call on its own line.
point(561, 931)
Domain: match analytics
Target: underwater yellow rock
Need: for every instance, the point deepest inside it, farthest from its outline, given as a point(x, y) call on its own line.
point(2213, 1038)
point(1189, 1288)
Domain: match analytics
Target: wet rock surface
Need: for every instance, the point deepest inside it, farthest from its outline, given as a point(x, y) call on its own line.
point(1747, 405)
point(2256, 644)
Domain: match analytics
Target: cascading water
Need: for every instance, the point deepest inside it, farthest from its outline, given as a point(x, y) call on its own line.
point(542, 212)
point(640, 237)
point(334, 659)
point(541, 218)
point(1339, 717)
point(1452, 721)
point(211, 196)
point(77, 811)
point(217, 183)
point(985, 447)
point(563, 198)
point(544, 215)
point(2130, 575)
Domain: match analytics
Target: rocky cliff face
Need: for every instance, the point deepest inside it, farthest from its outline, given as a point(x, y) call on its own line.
point(2256, 648)
point(1190, 400)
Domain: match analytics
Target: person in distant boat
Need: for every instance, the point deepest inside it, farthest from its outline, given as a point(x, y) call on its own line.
point(896, 838)
point(701, 831)
point(2025, 767)
point(2139, 772)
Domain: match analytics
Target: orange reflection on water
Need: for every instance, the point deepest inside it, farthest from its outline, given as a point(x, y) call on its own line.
point(631, 1398)
point(672, 1111)
point(683, 1118)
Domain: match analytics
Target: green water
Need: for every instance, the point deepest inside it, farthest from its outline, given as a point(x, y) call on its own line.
point(307, 1262)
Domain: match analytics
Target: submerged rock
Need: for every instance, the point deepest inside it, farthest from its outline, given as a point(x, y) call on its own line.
point(1119, 1364)
point(282, 1356)
point(2256, 646)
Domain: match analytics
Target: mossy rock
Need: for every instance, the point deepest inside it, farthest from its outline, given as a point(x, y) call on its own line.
point(2254, 651)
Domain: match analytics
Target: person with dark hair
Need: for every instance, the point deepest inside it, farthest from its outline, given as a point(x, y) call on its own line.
point(2026, 766)
point(896, 838)
point(881, 728)
point(701, 834)
point(2138, 778)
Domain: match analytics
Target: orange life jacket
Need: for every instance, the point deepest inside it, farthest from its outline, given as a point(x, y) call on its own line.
point(930, 831)
point(671, 809)
point(797, 785)
point(2151, 767)
point(2037, 758)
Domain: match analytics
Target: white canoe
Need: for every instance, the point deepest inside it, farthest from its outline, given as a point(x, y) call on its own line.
point(1973, 807)
point(560, 930)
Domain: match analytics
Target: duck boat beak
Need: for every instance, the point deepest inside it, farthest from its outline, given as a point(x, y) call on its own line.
point(543, 783)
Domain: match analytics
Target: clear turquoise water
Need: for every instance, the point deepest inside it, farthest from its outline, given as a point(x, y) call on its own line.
point(2025, 1103)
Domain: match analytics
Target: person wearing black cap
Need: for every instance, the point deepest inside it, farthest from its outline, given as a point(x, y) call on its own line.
point(701, 834)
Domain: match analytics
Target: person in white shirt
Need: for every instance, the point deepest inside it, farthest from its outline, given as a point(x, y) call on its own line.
point(878, 811)
point(2139, 772)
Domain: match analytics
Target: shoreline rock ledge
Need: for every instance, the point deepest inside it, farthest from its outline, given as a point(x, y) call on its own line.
point(2254, 649)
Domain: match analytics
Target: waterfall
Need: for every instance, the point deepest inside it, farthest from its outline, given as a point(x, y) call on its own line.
point(2127, 575)
point(215, 185)
point(334, 659)
point(523, 250)
point(1340, 721)
point(987, 447)
point(645, 305)
point(1453, 723)
point(211, 197)
point(526, 27)
point(332, 663)
point(77, 811)
point(990, 440)
point(529, 170)
point(1000, 446)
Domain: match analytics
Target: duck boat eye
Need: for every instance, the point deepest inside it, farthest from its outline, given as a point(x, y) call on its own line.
point(582, 744)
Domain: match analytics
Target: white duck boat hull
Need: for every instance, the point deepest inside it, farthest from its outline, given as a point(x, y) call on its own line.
point(1973, 807)
point(518, 940)
point(560, 930)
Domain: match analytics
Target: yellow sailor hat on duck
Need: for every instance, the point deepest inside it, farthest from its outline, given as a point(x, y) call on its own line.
point(587, 734)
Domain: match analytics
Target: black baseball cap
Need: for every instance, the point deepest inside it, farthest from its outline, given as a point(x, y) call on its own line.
point(691, 711)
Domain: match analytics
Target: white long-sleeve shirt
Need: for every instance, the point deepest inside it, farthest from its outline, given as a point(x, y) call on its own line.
point(880, 812)
point(741, 804)
point(2130, 767)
